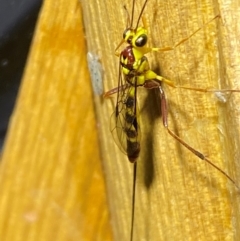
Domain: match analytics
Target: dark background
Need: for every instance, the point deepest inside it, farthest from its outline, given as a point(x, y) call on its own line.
point(18, 19)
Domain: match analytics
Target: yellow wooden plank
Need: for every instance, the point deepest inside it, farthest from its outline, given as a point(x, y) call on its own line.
point(178, 197)
point(51, 182)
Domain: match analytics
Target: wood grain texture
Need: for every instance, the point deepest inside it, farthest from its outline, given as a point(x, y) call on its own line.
point(51, 181)
point(178, 197)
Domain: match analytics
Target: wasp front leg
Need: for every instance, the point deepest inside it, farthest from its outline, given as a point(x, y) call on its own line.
point(168, 48)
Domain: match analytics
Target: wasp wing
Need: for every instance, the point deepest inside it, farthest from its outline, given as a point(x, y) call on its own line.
point(124, 121)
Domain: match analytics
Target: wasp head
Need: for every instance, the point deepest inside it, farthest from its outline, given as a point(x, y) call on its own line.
point(136, 38)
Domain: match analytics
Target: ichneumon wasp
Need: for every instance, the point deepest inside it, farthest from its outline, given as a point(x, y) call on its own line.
point(134, 71)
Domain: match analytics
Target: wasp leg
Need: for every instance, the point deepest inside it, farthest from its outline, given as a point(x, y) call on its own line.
point(151, 76)
point(206, 89)
point(182, 142)
point(115, 90)
point(168, 48)
point(154, 83)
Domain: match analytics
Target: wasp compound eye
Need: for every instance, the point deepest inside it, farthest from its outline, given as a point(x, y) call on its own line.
point(141, 40)
point(127, 33)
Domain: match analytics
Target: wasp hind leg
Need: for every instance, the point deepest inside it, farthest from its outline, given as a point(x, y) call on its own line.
point(182, 142)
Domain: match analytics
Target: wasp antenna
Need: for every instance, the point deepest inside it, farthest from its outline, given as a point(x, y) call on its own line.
point(140, 15)
point(133, 6)
point(128, 16)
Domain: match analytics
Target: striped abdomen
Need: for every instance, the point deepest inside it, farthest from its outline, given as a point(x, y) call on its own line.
point(131, 127)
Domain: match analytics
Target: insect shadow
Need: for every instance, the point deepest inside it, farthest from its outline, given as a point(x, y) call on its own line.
point(151, 110)
point(152, 115)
